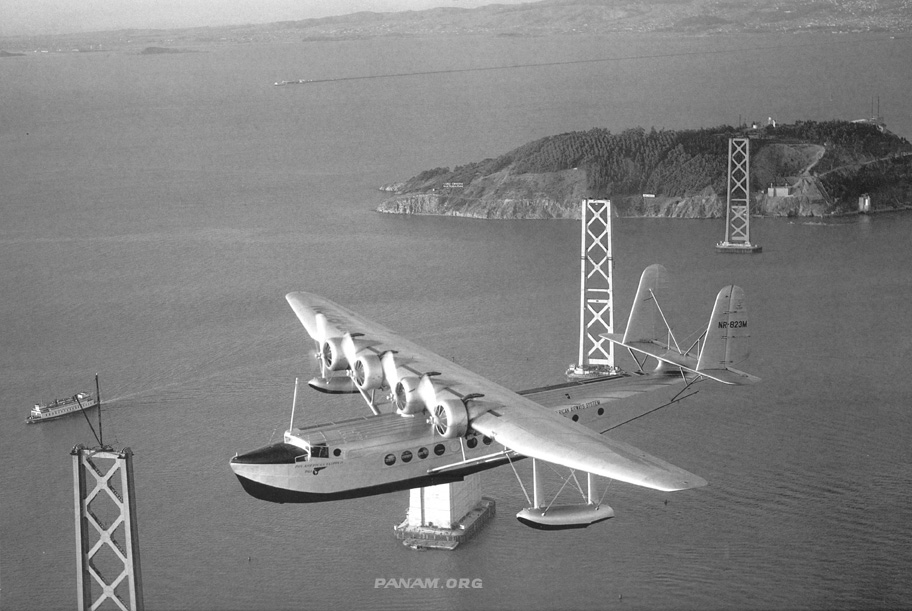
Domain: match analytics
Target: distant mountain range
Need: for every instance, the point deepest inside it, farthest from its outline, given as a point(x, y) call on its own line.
point(550, 17)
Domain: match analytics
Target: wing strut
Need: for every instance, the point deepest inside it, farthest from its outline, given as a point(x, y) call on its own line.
point(723, 344)
point(559, 517)
point(294, 402)
point(655, 300)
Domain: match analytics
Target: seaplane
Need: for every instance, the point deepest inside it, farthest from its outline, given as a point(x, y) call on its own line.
point(432, 421)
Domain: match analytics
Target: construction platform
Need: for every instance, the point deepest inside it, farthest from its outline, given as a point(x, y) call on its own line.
point(738, 248)
point(432, 537)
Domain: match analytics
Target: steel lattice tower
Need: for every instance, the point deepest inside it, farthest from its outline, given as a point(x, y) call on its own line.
point(737, 208)
point(596, 354)
point(106, 513)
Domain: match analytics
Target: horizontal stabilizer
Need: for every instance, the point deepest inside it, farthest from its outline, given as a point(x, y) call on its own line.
point(725, 342)
point(730, 376)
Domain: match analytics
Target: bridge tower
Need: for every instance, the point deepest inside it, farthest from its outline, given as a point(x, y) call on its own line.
point(737, 206)
point(596, 354)
point(107, 539)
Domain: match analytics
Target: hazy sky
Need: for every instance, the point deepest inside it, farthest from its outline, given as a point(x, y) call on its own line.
point(62, 16)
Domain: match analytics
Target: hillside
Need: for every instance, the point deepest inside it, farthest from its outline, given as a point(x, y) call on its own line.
point(820, 168)
point(544, 18)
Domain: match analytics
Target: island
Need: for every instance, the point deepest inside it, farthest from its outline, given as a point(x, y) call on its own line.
point(808, 168)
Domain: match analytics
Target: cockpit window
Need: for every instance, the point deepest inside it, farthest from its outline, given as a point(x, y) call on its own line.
point(319, 451)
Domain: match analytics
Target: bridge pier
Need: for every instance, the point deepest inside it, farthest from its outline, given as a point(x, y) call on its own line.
point(443, 516)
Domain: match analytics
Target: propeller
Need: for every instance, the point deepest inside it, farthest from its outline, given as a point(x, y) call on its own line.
point(349, 350)
point(449, 418)
point(439, 420)
point(407, 397)
point(322, 328)
point(390, 372)
point(402, 383)
point(427, 392)
point(320, 337)
point(367, 371)
point(447, 412)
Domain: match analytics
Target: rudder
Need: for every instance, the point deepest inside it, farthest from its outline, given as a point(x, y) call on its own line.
point(726, 341)
point(645, 323)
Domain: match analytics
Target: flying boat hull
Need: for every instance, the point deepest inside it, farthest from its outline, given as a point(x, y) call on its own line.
point(361, 457)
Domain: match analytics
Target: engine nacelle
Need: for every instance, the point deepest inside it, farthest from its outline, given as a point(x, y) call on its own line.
point(450, 418)
point(368, 371)
point(332, 354)
point(406, 396)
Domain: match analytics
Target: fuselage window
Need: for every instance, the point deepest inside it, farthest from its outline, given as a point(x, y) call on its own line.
point(390, 459)
point(472, 442)
point(422, 452)
point(575, 417)
point(337, 452)
point(406, 456)
point(439, 449)
point(486, 440)
point(601, 411)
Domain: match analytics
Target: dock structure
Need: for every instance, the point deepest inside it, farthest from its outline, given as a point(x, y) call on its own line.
point(737, 207)
point(107, 540)
point(596, 311)
point(443, 516)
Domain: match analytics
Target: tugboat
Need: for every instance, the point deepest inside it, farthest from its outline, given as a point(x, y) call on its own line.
point(62, 407)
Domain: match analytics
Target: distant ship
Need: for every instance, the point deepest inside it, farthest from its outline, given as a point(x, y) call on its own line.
point(62, 407)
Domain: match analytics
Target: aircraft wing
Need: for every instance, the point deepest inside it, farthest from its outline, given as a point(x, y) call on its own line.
point(512, 420)
point(539, 433)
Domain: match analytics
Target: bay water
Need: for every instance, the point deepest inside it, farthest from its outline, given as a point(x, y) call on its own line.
point(156, 209)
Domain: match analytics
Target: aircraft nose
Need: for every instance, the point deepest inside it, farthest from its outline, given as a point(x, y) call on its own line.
point(278, 454)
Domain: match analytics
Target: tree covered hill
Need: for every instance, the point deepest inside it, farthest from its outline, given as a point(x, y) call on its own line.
point(820, 167)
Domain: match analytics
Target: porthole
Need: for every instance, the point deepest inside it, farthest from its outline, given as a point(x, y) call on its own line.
point(406, 456)
point(337, 452)
point(575, 417)
point(422, 453)
point(472, 442)
point(601, 411)
point(390, 459)
point(439, 449)
point(486, 440)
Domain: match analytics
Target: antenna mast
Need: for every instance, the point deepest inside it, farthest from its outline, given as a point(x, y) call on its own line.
point(98, 400)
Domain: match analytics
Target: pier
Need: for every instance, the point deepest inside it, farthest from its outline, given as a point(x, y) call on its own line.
point(442, 517)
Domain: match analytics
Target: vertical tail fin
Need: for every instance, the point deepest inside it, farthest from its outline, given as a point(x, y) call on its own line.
point(726, 340)
point(645, 323)
point(726, 336)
